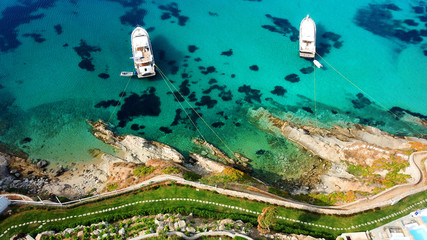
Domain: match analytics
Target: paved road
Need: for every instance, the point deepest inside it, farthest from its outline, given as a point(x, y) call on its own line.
point(383, 199)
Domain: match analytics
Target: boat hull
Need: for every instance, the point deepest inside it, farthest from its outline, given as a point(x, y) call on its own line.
point(307, 38)
point(142, 53)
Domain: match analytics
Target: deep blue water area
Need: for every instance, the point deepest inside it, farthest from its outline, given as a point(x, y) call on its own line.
point(61, 62)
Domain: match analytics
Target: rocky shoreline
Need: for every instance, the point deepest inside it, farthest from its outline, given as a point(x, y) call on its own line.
point(358, 145)
point(338, 146)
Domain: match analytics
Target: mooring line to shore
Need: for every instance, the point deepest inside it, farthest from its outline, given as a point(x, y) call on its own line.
point(194, 110)
point(364, 92)
point(118, 102)
point(183, 108)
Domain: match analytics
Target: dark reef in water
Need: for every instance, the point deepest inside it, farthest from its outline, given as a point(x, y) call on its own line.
point(183, 88)
point(370, 122)
point(282, 26)
point(185, 75)
point(192, 48)
point(103, 75)
point(25, 140)
point(182, 118)
point(226, 95)
point(378, 19)
point(361, 101)
point(410, 22)
point(172, 10)
point(250, 94)
point(177, 97)
point(84, 51)
point(213, 87)
point(207, 101)
point(13, 17)
point(254, 68)
point(217, 124)
point(208, 70)
point(327, 41)
point(400, 112)
point(165, 130)
point(192, 97)
point(392, 6)
point(227, 53)
point(223, 93)
point(418, 9)
point(212, 80)
point(134, 17)
point(260, 152)
point(65, 45)
point(147, 104)
point(279, 91)
point(308, 109)
point(36, 36)
point(306, 70)
point(129, 3)
point(87, 65)
point(58, 29)
point(165, 16)
point(107, 103)
point(136, 127)
point(293, 78)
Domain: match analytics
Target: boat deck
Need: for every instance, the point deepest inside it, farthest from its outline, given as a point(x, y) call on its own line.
point(307, 54)
point(145, 53)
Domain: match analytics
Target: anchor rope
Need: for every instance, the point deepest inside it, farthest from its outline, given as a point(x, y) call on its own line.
point(118, 102)
point(183, 108)
point(364, 92)
point(194, 110)
point(315, 101)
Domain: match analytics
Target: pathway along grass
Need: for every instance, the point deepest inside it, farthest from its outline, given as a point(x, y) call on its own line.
point(344, 223)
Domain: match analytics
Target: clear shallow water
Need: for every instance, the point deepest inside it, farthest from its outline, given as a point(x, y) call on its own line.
point(45, 96)
point(419, 234)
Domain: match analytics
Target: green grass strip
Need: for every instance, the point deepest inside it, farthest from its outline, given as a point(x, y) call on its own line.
point(288, 225)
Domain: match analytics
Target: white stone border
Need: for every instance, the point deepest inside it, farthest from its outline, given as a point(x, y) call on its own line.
point(42, 222)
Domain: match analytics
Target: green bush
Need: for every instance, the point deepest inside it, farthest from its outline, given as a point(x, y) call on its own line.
point(112, 187)
point(191, 176)
point(143, 170)
point(171, 170)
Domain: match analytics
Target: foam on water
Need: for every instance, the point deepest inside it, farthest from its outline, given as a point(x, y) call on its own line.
point(233, 56)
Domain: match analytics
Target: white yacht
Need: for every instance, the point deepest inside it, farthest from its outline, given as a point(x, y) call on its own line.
point(307, 38)
point(142, 53)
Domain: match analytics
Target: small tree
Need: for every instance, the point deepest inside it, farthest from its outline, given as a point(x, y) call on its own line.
point(267, 219)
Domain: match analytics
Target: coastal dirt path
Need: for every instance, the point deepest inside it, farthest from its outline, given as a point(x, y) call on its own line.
point(386, 198)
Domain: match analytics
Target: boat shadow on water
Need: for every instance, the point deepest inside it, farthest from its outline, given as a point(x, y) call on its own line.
point(168, 58)
point(326, 40)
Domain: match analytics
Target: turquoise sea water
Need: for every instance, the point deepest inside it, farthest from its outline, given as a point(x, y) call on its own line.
point(60, 63)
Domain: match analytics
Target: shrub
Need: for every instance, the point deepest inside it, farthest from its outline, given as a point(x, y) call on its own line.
point(171, 170)
point(191, 176)
point(112, 187)
point(143, 170)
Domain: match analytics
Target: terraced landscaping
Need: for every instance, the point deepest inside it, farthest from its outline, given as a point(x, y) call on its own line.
point(183, 199)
